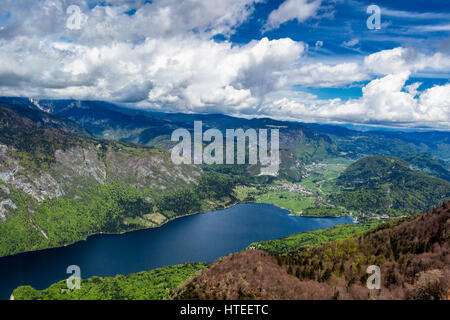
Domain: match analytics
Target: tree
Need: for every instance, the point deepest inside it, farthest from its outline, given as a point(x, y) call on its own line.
point(430, 285)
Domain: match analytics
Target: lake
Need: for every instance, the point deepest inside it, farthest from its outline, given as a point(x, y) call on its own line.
point(197, 238)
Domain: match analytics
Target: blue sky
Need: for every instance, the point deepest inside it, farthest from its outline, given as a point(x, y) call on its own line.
point(346, 22)
point(303, 60)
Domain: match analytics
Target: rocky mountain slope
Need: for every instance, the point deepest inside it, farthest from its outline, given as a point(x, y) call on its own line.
point(42, 166)
point(103, 120)
point(45, 162)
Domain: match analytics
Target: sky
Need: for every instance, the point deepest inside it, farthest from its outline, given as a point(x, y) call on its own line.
point(302, 60)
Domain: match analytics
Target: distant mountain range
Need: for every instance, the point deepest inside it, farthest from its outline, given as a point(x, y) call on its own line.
point(309, 142)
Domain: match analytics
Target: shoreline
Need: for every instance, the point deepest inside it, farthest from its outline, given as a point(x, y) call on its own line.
point(121, 232)
point(166, 222)
point(305, 216)
point(186, 215)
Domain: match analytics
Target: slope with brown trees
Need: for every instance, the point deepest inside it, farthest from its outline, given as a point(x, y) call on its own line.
point(412, 253)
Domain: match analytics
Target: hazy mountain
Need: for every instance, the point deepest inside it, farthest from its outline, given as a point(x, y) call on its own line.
point(353, 143)
point(62, 156)
point(429, 164)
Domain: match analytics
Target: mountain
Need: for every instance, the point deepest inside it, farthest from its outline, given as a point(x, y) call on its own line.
point(63, 177)
point(429, 164)
point(108, 121)
point(411, 253)
point(389, 185)
point(309, 142)
point(43, 119)
point(73, 159)
point(58, 187)
point(353, 143)
point(59, 184)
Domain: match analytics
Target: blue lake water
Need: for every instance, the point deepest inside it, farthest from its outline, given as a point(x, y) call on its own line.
point(198, 238)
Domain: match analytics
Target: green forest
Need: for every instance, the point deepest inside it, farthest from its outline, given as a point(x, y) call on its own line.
point(387, 185)
point(109, 208)
point(310, 238)
point(155, 284)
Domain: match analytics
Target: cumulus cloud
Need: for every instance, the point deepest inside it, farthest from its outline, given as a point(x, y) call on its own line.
point(125, 20)
point(405, 59)
point(183, 73)
point(326, 75)
point(384, 101)
point(299, 10)
point(160, 54)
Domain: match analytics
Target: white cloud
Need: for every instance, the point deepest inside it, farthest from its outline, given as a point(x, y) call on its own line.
point(414, 15)
point(299, 10)
point(433, 28)
point(383, 101)
point(183, 73)
point(161, 55)
point(412, 88)
point(403, 59)
point(323, 75)
point(112, 23)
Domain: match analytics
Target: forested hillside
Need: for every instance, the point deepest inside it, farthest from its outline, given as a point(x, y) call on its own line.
point(388, 185)
point(58, 187)
point(412, 254)
point(59, 184)
point(147, 285)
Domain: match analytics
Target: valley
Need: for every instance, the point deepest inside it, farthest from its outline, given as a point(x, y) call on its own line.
point(185, 152)
point(80, 169)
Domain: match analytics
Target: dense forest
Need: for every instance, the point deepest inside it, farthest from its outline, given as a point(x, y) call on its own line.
point(387, 185)
point(157, 284)
point(412, 253)
point(107, 186)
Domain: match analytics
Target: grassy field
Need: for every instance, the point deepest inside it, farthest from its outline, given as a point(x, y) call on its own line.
point(321, 176)
point(305, 197)
point(288, 200)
